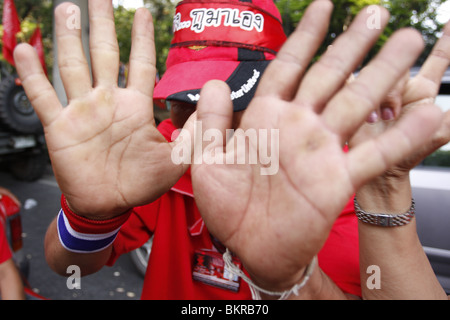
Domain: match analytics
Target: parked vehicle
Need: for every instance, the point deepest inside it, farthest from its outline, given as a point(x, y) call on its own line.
point(431, 190)
point(22, 143)
point(140, 257)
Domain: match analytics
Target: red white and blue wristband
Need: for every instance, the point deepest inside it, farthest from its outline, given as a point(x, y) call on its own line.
point(81, 235)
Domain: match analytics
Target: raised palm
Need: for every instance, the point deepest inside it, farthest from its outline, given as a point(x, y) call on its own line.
point(277, 223)
point(106, 153)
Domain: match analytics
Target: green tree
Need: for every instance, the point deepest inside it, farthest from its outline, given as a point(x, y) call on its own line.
point(419, 14)
point(124, 22)
point(162, 12)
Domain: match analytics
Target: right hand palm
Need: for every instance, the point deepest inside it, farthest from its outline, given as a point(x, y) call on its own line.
point(99, 147)
point(106, 153)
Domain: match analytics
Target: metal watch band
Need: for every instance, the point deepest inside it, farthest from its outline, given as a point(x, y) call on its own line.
point(385, 220)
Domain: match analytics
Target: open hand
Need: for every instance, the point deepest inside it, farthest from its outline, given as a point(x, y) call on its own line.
point(277, 223)
point(106, 153)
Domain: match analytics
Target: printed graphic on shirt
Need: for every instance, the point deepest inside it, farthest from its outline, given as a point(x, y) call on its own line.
point(210, 269)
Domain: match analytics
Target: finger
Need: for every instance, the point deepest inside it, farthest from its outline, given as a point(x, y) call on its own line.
point(426, 84)
point(103, 43)
point(391, 105)
point(37, 87)
point(439, 58)
point(214, 116)
point(442, 136)
point(283, 74)
point(183, 144)
point(73, 66)
point(329, 74)
point(143, 57)
point(370, 159)
point(349, 108)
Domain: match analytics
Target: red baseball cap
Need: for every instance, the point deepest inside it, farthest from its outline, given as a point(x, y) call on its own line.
point(228, 40)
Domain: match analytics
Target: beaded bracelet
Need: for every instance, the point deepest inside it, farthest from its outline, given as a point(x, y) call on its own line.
point(231, 267)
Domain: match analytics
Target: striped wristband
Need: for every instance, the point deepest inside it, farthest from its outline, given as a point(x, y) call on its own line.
point(82, 235)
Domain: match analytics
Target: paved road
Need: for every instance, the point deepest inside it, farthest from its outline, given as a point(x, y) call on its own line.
point(40, 202)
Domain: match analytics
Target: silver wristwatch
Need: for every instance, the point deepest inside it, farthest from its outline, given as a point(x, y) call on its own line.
point(385, 220)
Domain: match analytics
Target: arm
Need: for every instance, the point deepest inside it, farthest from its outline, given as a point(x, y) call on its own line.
point(58, 258)
point(405, 271)
point(11, 287)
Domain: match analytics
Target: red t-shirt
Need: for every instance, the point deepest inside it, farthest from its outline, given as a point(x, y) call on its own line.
point(339, 257)
point(179, 230)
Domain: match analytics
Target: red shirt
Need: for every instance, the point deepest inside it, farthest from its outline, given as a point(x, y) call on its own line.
point(339, 257)
point(178, 231)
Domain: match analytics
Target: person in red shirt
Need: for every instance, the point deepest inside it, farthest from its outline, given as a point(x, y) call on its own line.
point(11, 286)
point(111, 162)
point(174, 220)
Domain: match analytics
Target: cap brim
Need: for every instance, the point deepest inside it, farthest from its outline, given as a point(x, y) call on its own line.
point(184, 81)
point(192, 76)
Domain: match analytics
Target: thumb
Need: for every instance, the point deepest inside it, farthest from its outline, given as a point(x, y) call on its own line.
point(183, 143)
point(214, 117)
point(214, 108)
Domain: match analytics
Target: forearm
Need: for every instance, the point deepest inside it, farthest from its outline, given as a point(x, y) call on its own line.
point(395, 252)
point(59, 258)
point(11, 287)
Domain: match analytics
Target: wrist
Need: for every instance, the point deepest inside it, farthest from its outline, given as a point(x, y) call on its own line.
point(282, 286)
point(93, 225)
point(258, 292)
point(309, 290)
point(385, 194)
point(83, 235)
point(82, 210)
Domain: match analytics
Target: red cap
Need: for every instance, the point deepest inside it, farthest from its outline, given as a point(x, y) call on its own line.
point(226, 40)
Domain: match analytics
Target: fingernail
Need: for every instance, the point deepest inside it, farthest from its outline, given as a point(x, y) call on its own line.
point(387, 114)
point(373, 117)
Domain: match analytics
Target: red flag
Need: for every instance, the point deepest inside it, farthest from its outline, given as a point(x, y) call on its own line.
point(36, 42)
point(11, 26)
